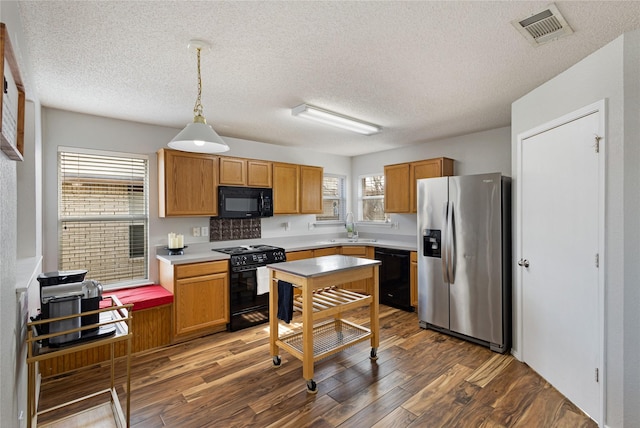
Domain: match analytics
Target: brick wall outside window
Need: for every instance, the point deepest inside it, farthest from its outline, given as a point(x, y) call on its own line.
point(103, 217)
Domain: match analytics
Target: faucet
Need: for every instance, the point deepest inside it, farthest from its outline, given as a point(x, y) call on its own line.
point(350, 225)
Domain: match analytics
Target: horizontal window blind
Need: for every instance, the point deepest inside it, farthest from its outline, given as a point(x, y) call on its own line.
point(103, 215)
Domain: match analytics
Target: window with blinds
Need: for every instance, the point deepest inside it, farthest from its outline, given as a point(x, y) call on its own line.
point(333, 198)
point(372, 198)
point(103, 215)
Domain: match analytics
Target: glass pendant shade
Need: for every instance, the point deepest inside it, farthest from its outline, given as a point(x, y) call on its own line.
point(198, 137)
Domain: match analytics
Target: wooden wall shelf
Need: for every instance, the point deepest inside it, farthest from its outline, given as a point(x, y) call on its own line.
point(12, 101)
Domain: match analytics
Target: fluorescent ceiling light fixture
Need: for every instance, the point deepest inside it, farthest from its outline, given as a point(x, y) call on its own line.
point(335, 119)
point(198, 137)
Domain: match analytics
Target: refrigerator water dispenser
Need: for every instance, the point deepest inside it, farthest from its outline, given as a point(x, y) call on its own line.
point(432, 245)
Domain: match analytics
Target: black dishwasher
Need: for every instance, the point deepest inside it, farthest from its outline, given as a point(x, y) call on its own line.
point(394, 280)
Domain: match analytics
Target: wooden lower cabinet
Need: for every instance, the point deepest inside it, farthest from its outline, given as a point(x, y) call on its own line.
point(299, 255)
point(307, 254)
point(200, 297)
point(413, 275)
point(319, 252)
point(365, 285)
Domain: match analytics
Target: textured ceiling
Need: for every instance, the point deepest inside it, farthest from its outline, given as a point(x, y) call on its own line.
point(423, 70)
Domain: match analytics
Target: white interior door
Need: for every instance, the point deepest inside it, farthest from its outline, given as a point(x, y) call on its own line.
point(560, 232)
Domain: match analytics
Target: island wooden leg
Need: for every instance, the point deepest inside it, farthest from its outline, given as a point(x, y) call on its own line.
point(273, 317)
point(375, 314)
point(307, 338)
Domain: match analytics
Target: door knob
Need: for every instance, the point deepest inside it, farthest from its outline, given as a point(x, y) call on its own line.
point(523, 262)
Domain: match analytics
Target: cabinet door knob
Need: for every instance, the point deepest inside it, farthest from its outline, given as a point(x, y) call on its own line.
point(523, 262)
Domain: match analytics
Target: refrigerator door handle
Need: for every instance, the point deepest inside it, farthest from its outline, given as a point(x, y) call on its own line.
point(451, 245)
point(444, 246)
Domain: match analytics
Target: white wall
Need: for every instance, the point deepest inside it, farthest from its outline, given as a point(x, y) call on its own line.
point(18, 193)
point(602, 75)
point(69, 129)
point(480, 152)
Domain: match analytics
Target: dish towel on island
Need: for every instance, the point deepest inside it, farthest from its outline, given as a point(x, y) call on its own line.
point(285, 301)
point(262, 278)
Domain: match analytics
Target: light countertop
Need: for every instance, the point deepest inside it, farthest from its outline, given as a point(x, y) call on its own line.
point(321, 265)
point(205, 252)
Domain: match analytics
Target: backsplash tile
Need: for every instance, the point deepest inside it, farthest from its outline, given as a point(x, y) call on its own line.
point(228, 229)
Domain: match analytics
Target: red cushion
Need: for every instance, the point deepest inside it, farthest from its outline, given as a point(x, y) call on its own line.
point(148, 296)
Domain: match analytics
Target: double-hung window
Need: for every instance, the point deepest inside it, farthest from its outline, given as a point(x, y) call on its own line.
point(103, 215)
point(371, 198)
point(333, 198)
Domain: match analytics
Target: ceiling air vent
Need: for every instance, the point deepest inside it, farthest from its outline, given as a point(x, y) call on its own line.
point(543, 27)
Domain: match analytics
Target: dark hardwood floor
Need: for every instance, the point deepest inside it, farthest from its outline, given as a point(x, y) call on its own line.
point(420, 379)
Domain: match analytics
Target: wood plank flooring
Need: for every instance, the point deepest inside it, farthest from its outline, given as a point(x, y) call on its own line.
point(421, 379)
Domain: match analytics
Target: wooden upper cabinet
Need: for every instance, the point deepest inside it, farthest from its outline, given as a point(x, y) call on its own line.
point(396, 188)
point(259, 173)
point(429, 168)
point(297, 189)
point(400, 182)
point(245, 172)
point(233, 171)
point(311, 189)
point(286, 179)
point(187, 184)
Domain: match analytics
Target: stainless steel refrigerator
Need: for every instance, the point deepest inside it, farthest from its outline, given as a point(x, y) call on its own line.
point(464, 258)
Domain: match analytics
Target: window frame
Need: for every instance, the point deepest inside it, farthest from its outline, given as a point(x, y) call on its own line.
point(342, 198)
point(108, 283)
point(362, 198)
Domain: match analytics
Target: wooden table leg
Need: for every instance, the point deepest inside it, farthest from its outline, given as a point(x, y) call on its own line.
point(273, 314)
point(374, 310)
point(307, 336)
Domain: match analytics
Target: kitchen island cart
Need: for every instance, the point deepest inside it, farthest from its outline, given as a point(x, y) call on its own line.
point(317, 294)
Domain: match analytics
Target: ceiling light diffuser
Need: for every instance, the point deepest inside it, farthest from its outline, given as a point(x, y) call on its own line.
point(198, 137)
point(335, 119)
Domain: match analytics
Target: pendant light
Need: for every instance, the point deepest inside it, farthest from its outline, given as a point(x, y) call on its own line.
point(198, 137)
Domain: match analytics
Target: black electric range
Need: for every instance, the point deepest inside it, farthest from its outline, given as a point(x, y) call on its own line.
point(247, 307)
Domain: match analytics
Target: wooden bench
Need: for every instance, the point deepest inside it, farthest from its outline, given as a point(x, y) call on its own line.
point(151, 326)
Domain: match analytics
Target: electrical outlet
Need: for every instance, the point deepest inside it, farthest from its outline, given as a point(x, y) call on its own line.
point(195, 231)
point(204, 231)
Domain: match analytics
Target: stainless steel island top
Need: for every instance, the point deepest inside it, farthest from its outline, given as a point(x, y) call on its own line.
point(317, 266)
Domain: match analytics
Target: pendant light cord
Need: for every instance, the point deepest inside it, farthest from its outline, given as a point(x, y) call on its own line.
point(197, 109)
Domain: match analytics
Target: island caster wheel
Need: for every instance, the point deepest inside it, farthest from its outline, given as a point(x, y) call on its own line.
point(312, 388)
point(277, 361)
point(374, 354)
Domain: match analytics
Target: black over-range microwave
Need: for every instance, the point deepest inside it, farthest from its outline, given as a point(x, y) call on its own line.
point(244, 202)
